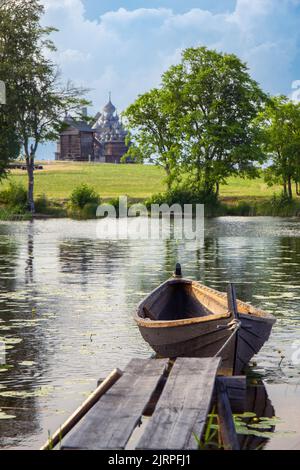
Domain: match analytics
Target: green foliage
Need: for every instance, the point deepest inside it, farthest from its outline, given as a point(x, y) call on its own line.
point(243, 208)
point(82, 195)
point(15, 196)
point(247, 423)
point(280, 124)
point(36, 100)
point(153, 137)
point(182, 195)
point(50, 208)
point(214, 103)
point(280, 206)
point(200, 121)
point(115, 203)
point(41, 204)
point(16, 213)
point(89, 210)
point(9, 146)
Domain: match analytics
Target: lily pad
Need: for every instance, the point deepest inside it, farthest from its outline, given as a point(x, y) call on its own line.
point(246, 414)
point(5, 416)
point(40, 392)
point(5, 367)
point(10, 341)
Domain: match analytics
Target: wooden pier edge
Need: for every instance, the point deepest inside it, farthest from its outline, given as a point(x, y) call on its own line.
point(83, 409)
point(176, 397)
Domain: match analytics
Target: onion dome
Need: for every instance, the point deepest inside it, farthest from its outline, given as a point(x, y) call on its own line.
point(109, 108)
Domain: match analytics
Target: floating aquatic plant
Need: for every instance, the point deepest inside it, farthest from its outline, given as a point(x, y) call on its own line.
point(27, 363)
point(262, 427)
point(5, 367)
point(3, 415)
point(40, 392)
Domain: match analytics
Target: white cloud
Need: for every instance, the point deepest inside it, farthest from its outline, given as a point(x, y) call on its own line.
point(295, 95)
point(69, 56)
point(127, 51)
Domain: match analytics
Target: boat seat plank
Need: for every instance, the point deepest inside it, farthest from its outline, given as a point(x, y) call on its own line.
point(111, 421)
point(182, 409)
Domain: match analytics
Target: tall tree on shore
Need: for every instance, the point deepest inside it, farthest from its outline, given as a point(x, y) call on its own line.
point(214, 101)
point(38, 101)
point(200, 122)
point(152, 138)
point(280, 122)
point(9, 146)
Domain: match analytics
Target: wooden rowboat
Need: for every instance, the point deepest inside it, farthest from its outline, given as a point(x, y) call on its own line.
point(185, 318)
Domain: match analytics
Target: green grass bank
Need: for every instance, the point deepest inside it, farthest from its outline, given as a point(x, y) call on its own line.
point(55, 183)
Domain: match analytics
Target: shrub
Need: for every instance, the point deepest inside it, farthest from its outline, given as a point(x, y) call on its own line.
point(181, 196)
point(15, 196)
point(41, 204)
point(15, 213)
point(89, 211)
point(115, 202)
point(83, 195)
point(243, 208)
point(282, 206)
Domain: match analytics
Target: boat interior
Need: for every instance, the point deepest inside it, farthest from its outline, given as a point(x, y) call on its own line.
point(181, 300)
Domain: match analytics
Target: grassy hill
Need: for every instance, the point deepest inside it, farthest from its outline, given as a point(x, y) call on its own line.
point(58, 179)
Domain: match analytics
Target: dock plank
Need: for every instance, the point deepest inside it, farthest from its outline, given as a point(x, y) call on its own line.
point(183, 406)
point(111, 421)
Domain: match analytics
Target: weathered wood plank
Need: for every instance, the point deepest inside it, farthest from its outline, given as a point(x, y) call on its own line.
point(227, 427)
point(183, 406)
point(83, 409)
point(110, 423)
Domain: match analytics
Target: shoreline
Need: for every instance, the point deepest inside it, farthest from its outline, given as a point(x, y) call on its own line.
point(242, 208)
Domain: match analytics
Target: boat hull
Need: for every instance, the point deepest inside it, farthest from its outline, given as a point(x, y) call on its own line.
point(207, 339)
point(235, 340)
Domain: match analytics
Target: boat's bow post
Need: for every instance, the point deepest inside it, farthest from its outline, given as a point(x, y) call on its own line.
point(232, 307)
point(178, 272)
point(231, 300)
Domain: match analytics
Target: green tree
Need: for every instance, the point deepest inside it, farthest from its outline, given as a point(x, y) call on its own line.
point(213, 102)
point(9, 147)
point(280, 122)
point(38, 101)
point(152, 136)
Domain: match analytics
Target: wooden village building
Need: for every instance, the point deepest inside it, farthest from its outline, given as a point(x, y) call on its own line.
point(76, 142)
point(103, 142)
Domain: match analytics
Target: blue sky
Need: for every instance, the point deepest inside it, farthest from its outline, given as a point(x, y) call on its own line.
point(124, 47)
point(95, 8)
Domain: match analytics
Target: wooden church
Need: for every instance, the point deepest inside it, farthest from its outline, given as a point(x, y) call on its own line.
point(103, 142)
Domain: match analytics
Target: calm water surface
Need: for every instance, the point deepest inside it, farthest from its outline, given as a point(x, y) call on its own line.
point(66, 303)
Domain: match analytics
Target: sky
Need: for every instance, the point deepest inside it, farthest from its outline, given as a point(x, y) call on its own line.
point(125, 46)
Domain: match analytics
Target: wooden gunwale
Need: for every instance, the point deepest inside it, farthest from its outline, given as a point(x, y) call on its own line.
point(244, 310)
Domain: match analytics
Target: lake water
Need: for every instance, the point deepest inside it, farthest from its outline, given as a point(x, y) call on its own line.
point(67, 298)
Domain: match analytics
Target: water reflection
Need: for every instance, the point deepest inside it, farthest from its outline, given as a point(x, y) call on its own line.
point(69, 297)
point(29, 261)
point(17, 377)
point(260, 405)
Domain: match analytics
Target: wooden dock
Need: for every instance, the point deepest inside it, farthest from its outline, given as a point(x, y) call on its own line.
point(172, 401)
